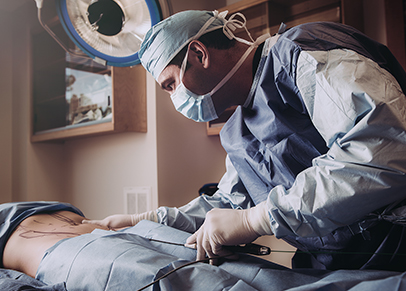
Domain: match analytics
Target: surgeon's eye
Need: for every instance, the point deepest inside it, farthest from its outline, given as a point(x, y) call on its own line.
point(170, 86)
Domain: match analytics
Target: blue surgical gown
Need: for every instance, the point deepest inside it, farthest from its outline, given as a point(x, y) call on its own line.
point(321, 137)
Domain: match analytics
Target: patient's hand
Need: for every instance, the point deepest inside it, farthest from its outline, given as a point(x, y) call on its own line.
point(113, 221)
point(123, 220)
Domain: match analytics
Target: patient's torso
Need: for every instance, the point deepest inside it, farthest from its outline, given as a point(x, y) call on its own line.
point(28, 243)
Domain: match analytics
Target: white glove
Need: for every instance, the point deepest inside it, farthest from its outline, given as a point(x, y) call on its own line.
point(229, 227)
point(123, 220)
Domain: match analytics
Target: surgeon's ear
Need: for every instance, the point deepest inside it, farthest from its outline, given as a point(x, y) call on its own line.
point(199, 54)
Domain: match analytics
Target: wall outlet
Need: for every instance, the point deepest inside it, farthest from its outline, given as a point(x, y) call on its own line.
point(137, 199)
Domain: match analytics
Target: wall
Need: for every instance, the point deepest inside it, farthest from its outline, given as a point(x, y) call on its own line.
point(100, 167)
point(27, 171)
point(5, 108)
point(91, 173)
point(179, 5)
point(173, 157)
point(375, 22)
point(187, 157)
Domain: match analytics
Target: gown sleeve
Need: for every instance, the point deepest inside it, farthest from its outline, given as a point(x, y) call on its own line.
point(231, 194)
point(360, 111)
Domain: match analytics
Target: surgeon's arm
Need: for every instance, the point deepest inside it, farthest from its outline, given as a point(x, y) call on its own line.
point(359, 109)
point(231, 194)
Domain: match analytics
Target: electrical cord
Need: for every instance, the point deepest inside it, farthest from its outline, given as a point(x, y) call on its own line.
point(180, 267)
point(224, 256)
point(249, 248)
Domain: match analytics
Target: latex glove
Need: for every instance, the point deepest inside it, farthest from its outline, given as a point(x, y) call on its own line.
point(229, 227)
point(123, 220)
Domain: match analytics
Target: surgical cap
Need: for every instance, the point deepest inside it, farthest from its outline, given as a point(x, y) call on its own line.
point(167, 38)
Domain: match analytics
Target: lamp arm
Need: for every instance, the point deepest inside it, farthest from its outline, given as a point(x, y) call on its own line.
point(51, 33)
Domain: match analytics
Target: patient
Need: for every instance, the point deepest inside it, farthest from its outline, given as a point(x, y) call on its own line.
point(47, 241)
point(35, 234)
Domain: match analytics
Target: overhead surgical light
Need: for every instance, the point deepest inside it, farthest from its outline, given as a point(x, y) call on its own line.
point(108, 31)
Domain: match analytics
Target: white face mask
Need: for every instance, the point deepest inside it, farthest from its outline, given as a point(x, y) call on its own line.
point(200, 107)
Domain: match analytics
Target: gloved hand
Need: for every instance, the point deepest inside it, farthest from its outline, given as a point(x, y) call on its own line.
point(229, 227)
point(123, 220)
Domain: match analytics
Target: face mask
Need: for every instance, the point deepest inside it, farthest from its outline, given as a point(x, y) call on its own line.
point(200, 108)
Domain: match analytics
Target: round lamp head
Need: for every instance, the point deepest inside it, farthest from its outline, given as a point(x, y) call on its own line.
point(110, 31)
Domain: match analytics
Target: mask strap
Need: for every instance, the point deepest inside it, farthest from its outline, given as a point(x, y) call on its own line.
point(240, 62)
point(229, 27)
point(232, 24)
point(199, 34)
point(183, 67)
point(206, 25)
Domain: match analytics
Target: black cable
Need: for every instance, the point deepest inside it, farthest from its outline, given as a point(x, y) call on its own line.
point(166, 242)
point(302, 252)
point(180, 267)
point(224, 256)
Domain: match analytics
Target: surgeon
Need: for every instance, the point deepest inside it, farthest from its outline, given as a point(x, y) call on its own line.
point(316, 149)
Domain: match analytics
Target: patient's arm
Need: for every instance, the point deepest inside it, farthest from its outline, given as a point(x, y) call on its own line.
point(28, 243)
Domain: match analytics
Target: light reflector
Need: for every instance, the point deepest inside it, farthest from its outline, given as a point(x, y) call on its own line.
point(109, 30)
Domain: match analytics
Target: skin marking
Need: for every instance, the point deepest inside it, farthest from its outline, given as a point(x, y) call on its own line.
point(64, 218)
point(40, 222)
point(30, 234)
